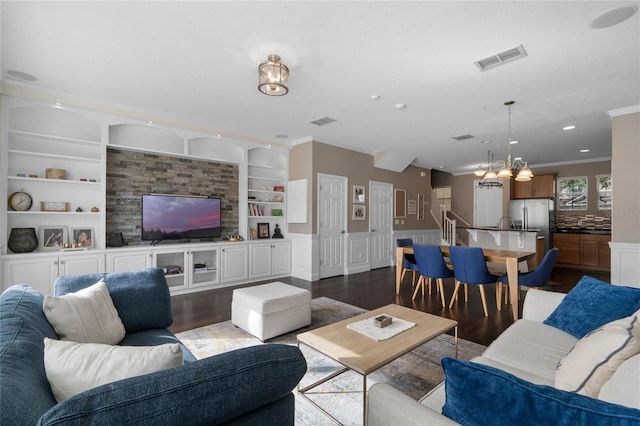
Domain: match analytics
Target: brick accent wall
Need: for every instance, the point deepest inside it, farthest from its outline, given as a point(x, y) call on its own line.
point(131, 174)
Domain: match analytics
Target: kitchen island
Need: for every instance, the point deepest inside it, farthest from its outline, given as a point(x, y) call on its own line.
point(507, 239)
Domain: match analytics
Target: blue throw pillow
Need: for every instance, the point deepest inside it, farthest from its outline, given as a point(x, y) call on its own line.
point(593, 303)
point(477, 394)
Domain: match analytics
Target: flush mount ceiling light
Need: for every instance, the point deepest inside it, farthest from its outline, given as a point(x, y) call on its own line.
point(273, 76)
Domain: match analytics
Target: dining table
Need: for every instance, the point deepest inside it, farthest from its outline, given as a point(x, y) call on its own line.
point(510, 258)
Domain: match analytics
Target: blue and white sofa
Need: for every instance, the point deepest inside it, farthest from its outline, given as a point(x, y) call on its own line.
point(247, 386)
point(573, 359)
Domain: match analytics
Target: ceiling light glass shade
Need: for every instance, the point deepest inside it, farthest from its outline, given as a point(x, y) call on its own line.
point(273, 76)
point(525, 174)
point(523, 178)
point(491, 174)
point(479, 171)
point(505, 172)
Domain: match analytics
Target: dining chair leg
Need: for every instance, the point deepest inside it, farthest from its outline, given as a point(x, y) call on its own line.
point(454, 297)
point(415, 292)
point(413, 279)
point(466, 293)
point(404, 271)
point(484, 300)
point(430, 280)
point(440, 282)
point(499, 295)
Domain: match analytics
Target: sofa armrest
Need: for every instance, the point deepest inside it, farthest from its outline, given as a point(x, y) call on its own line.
point(213, 390)
point(539, 304)
point(388, 406)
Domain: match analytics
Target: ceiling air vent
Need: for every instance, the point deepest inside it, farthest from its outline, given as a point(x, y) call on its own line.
point(463, 137)
point(501, 58)
point(323, 121)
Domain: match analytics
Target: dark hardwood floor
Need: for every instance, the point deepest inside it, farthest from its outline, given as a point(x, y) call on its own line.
point(371, 290)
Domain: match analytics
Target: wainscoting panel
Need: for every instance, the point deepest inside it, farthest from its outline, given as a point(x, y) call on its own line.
point(625, 264)
point(358, 253)
point(305, 256)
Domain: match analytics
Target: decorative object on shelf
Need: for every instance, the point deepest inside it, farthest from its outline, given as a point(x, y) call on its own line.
point(359, 212)
point(115, 240)
point(54, 206)
point(33, 176)
point(52, 237)
point(20, 201)
point(507, 167)
point(21, 175)
point(79, 210)
point(278, 188)
point(22, 240)
point(277, 233)
point(81, 237)
point(358, 194)
point(276, 212)
point(55, 174)
point(234, 238)
point(278, 199)
point(95, 209)
point(263, 230)
point(253, 233)
point(273, 76)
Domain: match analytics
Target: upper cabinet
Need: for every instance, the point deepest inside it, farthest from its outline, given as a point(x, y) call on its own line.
point(540, 186)
point(266, 186)
point(57, 157)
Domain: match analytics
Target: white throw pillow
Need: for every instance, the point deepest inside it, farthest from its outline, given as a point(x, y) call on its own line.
point(76, 367)
point(596, 356)
point(86, 316)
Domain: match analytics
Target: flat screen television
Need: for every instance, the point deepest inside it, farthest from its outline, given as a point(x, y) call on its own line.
point(180, 217)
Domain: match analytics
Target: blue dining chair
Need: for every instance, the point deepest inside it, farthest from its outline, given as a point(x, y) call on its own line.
point(470, 267)
point(431, 265)
point(409, 261)
point(539, 277)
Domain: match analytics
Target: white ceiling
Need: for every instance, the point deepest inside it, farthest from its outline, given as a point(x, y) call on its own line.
point(197, 62)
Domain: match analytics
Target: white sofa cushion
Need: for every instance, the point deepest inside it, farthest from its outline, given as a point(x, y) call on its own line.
point(530, 346)
point(596, 356)
point(73, 367)
point(624, 387)
point(86, 316)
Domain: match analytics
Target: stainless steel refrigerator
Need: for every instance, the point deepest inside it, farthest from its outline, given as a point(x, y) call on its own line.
point(535, 213)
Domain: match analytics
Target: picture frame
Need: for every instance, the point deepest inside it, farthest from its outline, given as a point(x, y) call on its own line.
point(81, 237)
point(358, 194)
point(400, 196)
point(52, 237)
point(263, 230)
point(359, 212)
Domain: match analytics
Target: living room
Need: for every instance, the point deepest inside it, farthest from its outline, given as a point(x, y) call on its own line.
point(128, 99)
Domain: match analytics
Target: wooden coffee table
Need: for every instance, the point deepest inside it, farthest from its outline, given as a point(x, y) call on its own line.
point(364, 355)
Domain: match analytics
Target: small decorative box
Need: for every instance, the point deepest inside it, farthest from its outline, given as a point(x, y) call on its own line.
point(382, 321)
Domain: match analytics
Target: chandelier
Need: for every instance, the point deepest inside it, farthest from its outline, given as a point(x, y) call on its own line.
point(505, 168)
point(273, 76)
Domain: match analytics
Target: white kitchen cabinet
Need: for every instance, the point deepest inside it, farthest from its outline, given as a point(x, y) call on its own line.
point(40, 272)
point(234, 262)
point(270, 259)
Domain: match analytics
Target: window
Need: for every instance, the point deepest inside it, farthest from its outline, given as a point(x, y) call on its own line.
point(443, 194)
point(604, 191)
point(573, 193)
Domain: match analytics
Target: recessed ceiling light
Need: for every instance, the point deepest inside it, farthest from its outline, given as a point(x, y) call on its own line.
point(585, 150)
point(487, 141)
point(400, 106)
point(218, 136)
point(613, 17)
point(571, 127)
point(268, 145)
point(58, 104)
point(149, 122)
point(19, 75)
point(375, 97)
point(282, 136)
point(513, 142)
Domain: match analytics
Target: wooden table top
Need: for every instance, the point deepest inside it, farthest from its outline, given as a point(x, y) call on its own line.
point(364, 354)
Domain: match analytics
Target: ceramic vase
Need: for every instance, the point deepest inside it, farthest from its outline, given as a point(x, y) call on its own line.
point(22, 240)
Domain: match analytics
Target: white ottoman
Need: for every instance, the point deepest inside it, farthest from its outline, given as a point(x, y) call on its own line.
point(269, 310)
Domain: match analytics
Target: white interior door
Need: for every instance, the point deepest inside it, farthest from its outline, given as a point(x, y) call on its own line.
point(380, 223)
point(487, 205)
point(332, 226)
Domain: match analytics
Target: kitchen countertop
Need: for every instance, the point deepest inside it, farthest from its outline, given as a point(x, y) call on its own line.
point(494, 228)
point(583, 231)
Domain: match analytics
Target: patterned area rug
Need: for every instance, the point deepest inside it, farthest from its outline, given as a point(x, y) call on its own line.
point(414, 374)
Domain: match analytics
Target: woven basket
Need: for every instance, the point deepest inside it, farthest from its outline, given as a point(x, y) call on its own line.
point(56, 174)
